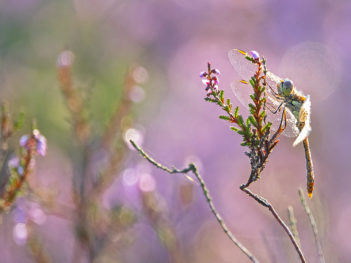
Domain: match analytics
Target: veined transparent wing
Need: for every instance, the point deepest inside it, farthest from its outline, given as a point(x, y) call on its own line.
point(246, 70)
point(242, 66)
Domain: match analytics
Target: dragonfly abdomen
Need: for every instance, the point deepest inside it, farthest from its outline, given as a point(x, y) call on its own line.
point(309, 168)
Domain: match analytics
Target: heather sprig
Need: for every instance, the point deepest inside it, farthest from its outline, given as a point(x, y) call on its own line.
point(21, 166)
point(255, 129)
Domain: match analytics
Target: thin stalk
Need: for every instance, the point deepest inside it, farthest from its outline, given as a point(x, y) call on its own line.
point(314, 226)
point(265, 203)
point(192, 168)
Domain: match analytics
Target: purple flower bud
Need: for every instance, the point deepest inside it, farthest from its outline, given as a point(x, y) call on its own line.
point(41, 145)
point(254, 54)
point(215, 71)
point(23, 140)
point(203, 74)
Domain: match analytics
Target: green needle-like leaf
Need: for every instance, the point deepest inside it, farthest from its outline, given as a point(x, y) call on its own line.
point(236, 111)
point(223, 117)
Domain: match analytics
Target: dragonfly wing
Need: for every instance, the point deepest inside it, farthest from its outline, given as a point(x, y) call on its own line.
point(304, 117)
point(272, 81)
point(242, 92)
point(291, 129)
point(245, 68)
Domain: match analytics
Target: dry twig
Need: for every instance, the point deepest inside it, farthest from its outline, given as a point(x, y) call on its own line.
point(192, 168)
point(265, 203)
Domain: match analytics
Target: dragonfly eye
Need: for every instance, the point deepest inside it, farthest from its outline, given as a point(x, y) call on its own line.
point(287, 86)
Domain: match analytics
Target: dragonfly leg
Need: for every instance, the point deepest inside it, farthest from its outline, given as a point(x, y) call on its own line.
point(274, 93)
point(270, 109)
point(278, 109)
point(283, 118)
point(274, 111)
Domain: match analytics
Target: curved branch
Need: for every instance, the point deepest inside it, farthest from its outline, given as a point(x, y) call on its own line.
point(265, 203)
point(192, 168)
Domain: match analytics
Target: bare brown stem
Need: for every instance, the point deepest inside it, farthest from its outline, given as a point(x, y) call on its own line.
point(192, 168)
point(265, 203)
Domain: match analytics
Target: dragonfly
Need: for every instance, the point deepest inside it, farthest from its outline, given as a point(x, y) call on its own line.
point(281, 94)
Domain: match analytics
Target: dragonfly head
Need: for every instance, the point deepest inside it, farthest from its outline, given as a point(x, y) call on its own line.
point(286, 87)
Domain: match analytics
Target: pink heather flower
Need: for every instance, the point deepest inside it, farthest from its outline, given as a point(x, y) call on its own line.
point(215, 71)
point(203, 74)
point(206, 82)
point(254, 54)
point(215, 81)
point(23, 140)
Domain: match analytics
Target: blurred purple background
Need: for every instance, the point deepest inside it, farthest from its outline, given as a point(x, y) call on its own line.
point(307, 41)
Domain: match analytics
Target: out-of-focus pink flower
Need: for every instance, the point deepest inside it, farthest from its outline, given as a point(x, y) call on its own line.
point(39, 142)
point(130, 177)
point(13, 162)
point(41, 145)
point(137, 94)
point(147, 182)
point(19, 213)
point(65, 59)
point(23, 140)
point(37, 215)
point(140, 75)
point(20, 233)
